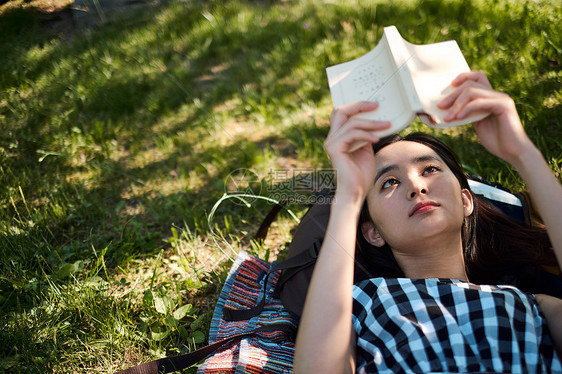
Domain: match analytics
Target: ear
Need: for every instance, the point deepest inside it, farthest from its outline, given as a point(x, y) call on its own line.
point(371, 234)
point(467, 202)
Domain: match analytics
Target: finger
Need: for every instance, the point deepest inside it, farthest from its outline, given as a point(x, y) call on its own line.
point(342, 113)
point(362, 123)
point(356, 124)
point(358, 107)
point(476, 76)
point(477, 106)
point(346, 141)
point(451, 99)
point(464, 96)
point(494, 105)
point(448, 100)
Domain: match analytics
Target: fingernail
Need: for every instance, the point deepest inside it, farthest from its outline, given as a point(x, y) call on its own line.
point(456, 82)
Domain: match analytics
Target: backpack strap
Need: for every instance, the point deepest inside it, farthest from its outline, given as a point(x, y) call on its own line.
point(295, 263)
point(175, 363)
point(261, 234)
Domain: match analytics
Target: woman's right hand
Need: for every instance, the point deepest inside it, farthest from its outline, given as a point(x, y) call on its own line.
point(355, 169)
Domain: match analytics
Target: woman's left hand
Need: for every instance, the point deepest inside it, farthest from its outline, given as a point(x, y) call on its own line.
point(501, 132)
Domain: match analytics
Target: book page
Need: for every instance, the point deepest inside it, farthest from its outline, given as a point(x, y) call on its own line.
point(433, 67)
point(372, 77)
point(401, 56)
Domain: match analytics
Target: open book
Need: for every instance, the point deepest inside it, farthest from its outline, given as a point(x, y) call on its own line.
point(403, 78)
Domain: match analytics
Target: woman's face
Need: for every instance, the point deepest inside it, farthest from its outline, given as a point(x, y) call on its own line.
point(415, 196)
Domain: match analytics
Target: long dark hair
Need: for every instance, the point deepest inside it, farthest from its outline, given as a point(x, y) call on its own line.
point(497, 249)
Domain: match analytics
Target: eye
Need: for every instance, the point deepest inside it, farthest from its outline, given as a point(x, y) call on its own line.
point(389, 183)
point(431, 169)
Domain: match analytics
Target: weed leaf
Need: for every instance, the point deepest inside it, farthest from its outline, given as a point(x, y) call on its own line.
point(159, 336)
point(163, 304)
point(171, 322)
point(182, 311)
point(198, 337)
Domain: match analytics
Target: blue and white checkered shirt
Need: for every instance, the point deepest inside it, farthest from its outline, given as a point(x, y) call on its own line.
point(448, 326)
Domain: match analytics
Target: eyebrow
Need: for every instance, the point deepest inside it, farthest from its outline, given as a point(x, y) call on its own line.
point(415, 160)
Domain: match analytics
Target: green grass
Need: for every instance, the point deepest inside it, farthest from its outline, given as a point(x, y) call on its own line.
point(116, 142)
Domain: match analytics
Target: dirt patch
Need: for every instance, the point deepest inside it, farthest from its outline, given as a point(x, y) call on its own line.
point(43, 6)
point(67, 16)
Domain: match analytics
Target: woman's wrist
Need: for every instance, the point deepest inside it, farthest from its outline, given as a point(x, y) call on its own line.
point(351, 202)
point(527, 160)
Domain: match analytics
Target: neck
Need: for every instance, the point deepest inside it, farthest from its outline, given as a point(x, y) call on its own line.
point(431, 261)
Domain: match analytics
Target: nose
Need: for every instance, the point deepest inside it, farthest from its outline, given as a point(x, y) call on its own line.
point(416, 187)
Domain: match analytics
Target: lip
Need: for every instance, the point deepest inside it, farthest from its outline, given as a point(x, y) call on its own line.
point(422, 207)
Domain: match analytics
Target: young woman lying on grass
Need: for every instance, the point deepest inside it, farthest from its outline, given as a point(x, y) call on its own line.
point(432, 313)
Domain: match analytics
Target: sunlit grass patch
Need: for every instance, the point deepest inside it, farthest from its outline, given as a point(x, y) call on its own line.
point(117, 141)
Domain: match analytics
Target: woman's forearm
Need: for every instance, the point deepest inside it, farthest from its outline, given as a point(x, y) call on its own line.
point(546, 193)
point(552, 309)
point(325, 329)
